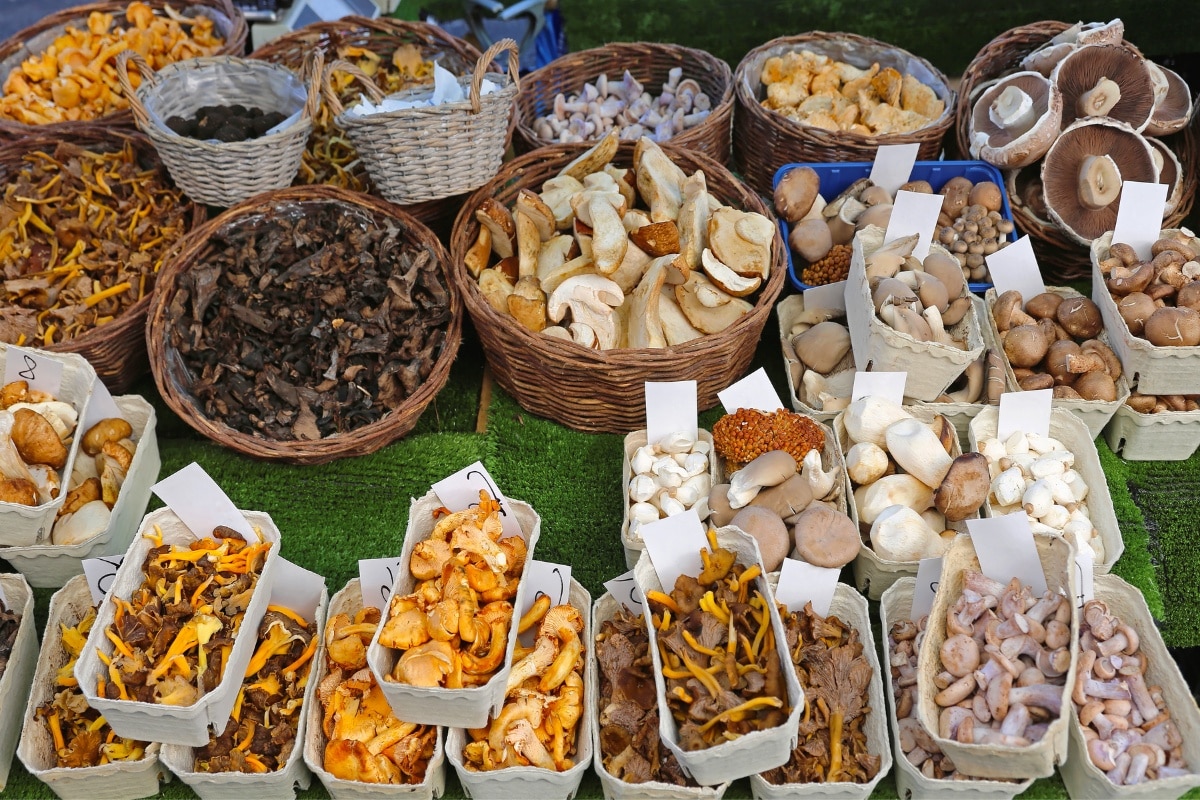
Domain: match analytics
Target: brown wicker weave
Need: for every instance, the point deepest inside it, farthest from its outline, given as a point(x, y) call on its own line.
point(381, 36)
point(593, 390)
point(21, 45)
point(1061, 259)
point(431, 152)
point(649, 63)
point(219, 173)
point(169, 371)
point(765, 140)
point(117, 350)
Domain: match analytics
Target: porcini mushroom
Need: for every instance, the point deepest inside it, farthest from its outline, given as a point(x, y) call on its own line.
point(707, 307)
point(1015, 120)
point(1105, 80)
point(591, 300)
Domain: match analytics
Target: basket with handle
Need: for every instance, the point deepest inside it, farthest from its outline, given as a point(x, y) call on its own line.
point(221, 173)
point(430, 152)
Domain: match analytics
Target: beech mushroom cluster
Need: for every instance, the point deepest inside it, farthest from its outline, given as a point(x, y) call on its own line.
point(1130, 734)
point(669, 477)
point(35, 437)
point(582, 262)
point(919, 298)
point(908, 487)
point(626, 107)
point(1053, 342)
point(1159, 299)
point(99, 471)
point(1004, 663)
point(1077, 117)
point(1036, 474)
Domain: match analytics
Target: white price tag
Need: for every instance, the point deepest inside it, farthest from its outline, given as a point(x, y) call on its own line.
point(893, 165)
point(827, 295)
point(297, 588)
point(100, 573)
point(200, 504)
point(41, 371)
point(550, 580)
point(914, 212)
point(1016, 267)
point(888, 385)
point(674, 545)
point(100, 406)
point(1005, 548)
point(460, 491)
point(929, 574)
point(376, 576)
point(1140, 215)
point(1028, 412)
point(624, 590)
point(670, 408)
point(1085, 579)
point(753, 391)
point(801, 583)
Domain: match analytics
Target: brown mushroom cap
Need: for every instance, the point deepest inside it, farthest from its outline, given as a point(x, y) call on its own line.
point(1081, 168)
point(1096, 385)
point(1173, 111)
point(1135, 308)
point(1080, 317)
point(965, 487)
point(1044, 305)
point(822, 346)
point(1025, 346)
point(825, 537)
point(1082, 69)
point(1030, 132)
point(1173, 327)
point(768, 530)
point(796, 192)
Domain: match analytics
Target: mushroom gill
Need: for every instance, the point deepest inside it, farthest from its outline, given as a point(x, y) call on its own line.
point(1105, 80)
point(1014, 121)
point(1173, 110)
point(1083, 171)
point(1170, 172)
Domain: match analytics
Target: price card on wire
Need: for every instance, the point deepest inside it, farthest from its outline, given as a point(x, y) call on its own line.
point(460, 491)
point(39, 370)
point(625, 591)
point(100, 573)
point(376, 577)
point(200, 503)
point(552, 581)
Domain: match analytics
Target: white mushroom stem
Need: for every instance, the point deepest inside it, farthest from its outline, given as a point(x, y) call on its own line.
point(1013, 111)
point(1100, 99)
point(819, 481)
point(1099, 181)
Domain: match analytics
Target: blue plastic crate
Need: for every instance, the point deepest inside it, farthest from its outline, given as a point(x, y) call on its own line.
point(837, 177)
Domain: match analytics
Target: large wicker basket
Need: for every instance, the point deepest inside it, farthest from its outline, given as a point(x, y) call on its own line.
point(649, 63)
point(595, 390)
point(170, 374)
point(765, 140)
point(380, 36)
point(432, 152)
point(1060, 258)
point(117, 350)
point(220, 173)
point(34, 39)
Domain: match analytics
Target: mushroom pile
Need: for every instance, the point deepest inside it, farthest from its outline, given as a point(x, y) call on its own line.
point(669, 477)
point(1036, 474)
point(1053, 342)
point(99, 471)
point(626, 107)
point(35, 438)
point(630, 748)
point(582, 262)
point(921, 298)
point(356, 718)
point(453, 627)
point(829, 660)
point(1130, 734)
point(1159, 299)
point(1162, 403)
point(1078, 118)
point(539, 724)
point(908, 486)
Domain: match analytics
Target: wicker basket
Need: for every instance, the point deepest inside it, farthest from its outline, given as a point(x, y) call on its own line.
point(648, 62)
point(428, 153)
point(220, 173)
point(766, 140)
point(380, 36)
point(1060, 258)
point(229, 23)
point(602, 390)
point(170, 374)
point(116, 350)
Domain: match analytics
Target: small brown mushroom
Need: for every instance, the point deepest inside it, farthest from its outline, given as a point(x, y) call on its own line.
point(1007, 311)
point(1135, 308)
point(965, 487)
point(796, 192)
point(1044, 305)
point(1025, 346)
point(811, 240)
point(1096, 385)
point(1080, 317)
point(1173, 327)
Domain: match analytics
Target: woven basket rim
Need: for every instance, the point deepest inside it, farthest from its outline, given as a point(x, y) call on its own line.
point(360, 441)
point(503, 95)
point(318, 33)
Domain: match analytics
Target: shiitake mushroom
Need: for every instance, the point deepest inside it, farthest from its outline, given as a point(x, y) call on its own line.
point(1173, 327)
point(1135, 309)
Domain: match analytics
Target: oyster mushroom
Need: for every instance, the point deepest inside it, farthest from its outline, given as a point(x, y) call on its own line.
point(825, 537)
point(1105, 80)
point(1014, 121)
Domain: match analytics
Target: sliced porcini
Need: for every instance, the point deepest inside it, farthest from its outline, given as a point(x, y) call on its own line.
point(635, 218)
point(724, 277)
point(594, 159)
point(645, 326)
point(659, 180)
point(742, 241)
point(822, 346)
point(708, 308)
point(633, 266)
point(657, 238)
point(693, 221)
point(1170, 172)
point(527, 304)
point(496, 286)
point(1083, 171)
point(538, 211)
point(591, 299)
point(553, 253)
point(675, 325)
point(478, 254)
point(1173, 108)
point(609, 240)
point(580, 265)
point(582, 203)
point(1014, 121)
point(622, 183)
point(496, 217)
point(1105, 80)
point(556, 194)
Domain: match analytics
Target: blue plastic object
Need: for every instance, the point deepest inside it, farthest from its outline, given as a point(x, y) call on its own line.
point(837, 177)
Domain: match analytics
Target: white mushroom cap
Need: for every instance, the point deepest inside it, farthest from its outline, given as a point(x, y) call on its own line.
point(1014, 121)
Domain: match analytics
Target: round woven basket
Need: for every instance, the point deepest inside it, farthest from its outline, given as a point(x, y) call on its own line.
point(601, 390)
point(229, 22)
point(380, 36)
point(117, 350)
point(432, 152)
point(649, 63)
point(1061, 259)
point(765, 140)
point(171, 375)
point(220, 173)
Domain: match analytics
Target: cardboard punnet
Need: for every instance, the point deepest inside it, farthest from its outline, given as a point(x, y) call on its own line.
point(18, 674)
point(851, 607)
point(49, 565)
point(753, 752)
point(789, 312)
point(534, 783)
point(1073, 433)
point(911, 784)
point(450, 708)
point(186, 725)
point(1035, 760)
point(348, 601)
point(1165, 436)
point(117, 780)
point(605, 608)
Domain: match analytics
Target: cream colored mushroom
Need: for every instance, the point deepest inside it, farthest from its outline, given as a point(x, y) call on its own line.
point(591, 300)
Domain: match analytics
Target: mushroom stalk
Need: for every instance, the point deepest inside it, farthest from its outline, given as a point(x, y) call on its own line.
point(1013, 111)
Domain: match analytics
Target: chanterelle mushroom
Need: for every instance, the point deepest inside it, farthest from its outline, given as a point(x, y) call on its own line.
point(591, 300)
point(1015, 120)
